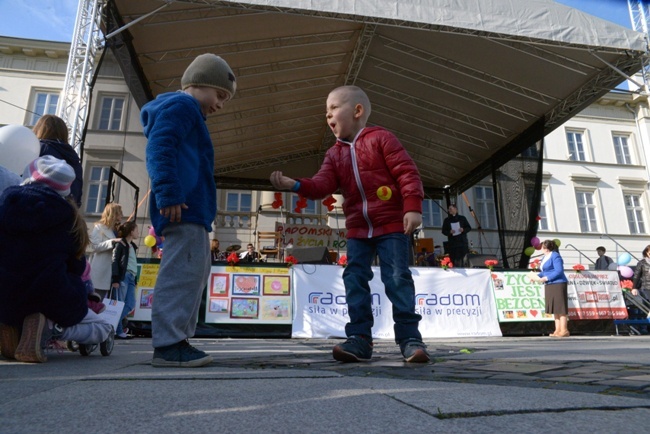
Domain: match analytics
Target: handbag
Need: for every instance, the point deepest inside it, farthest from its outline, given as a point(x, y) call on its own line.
point(113, 312)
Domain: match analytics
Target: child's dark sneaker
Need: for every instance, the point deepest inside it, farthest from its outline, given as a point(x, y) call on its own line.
point(180, 355)
point(414, 351)
point(9, 339)
point(355, 349)
point(96, 306)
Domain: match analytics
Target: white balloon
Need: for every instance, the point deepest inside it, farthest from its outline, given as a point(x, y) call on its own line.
point(18, 147)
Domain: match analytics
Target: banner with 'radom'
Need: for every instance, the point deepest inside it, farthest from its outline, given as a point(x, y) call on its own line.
point(453, 303)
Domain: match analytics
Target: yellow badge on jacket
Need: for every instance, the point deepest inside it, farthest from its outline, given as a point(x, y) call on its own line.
point(384, 192)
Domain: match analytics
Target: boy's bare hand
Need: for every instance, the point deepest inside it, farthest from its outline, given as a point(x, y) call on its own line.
point(173, 213)
point(282, 182)
point(412, 220)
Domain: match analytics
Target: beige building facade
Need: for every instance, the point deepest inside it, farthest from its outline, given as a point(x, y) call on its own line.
point(595, 180)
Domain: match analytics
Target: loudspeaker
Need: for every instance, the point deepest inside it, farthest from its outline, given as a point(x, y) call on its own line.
point(310, 255)
point(478, 261)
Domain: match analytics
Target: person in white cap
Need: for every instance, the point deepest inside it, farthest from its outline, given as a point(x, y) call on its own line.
point(43, 239)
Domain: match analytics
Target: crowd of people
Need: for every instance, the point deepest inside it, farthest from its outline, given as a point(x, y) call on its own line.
point(61, 289)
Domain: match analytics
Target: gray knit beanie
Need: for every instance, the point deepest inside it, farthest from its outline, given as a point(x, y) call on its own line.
point(210, 70)
point(48, 170)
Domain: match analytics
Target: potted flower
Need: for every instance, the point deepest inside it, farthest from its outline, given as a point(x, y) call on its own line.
point(490, 263)
point(626, 285)
point(446, 263)
point(343, 261)
point(233, 259)
point(290, 260)
point(578, 268)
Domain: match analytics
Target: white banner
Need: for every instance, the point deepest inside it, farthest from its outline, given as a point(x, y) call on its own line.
point(453, 303)
point(591, 295)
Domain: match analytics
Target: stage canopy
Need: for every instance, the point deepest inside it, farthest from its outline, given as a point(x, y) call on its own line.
point(465, 84)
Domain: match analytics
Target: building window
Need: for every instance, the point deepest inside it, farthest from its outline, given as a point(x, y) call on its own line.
point(110, 117)
point(485, 207)
point(622, 150)
point(97, 188)
point(432, 213)
point(543, 216)
point(576, 146)
point(44, 104)
point(634, 213)
point(238, 202)
point(586, 211)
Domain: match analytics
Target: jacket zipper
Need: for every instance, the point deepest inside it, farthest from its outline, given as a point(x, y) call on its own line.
point(357, 177)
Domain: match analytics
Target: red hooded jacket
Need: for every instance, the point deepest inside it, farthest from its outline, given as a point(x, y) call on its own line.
point(375, 159)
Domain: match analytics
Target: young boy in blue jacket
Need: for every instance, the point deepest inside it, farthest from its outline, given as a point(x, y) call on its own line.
point(180, 162)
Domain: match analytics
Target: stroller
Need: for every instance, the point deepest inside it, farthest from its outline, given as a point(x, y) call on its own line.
point(105, 348)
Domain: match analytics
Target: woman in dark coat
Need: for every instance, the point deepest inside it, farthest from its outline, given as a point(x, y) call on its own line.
point(52, 132)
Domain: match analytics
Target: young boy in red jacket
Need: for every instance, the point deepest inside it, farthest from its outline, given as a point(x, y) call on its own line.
point(383, 205)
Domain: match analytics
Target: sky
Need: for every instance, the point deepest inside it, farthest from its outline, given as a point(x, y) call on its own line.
point(53, 20)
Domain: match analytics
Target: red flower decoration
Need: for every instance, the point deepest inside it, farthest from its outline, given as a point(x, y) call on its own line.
point(277, 203)
point(445, 263)
point(491, 263)
point(343, 261)
point(232, 259)
point(627, 284)
point(579, 267)
point(534, 265)
point(290, 260)
point(329, 202)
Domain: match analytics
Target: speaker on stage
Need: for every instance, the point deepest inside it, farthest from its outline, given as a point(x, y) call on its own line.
point(310, 255)
point(478, 261)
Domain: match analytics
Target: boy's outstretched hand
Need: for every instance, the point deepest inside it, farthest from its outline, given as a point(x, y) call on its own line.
point(412, 220)
point(281, 182)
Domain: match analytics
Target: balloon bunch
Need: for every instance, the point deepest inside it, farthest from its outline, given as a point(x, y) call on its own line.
point(300, 204)
point(154, 241)
point(623, 260)
point(277, 203)
point(329, 202)
point(18, 147)
point(536, 244)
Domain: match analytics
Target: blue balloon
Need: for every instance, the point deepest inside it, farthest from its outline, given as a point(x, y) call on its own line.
point(624, 259)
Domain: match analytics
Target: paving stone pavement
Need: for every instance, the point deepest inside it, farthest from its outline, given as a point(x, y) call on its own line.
point(595, 384)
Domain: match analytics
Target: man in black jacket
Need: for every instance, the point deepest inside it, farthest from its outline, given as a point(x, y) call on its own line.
point(456, 227)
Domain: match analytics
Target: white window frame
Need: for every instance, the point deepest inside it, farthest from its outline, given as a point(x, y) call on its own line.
point(577, 149)
point(634, 212)
point(101, 184)
point(50, 109)
point(543, 212)
point(622, 148)
point(432, 213)
point(484, 208)
point(112, 118)
point(587, 212)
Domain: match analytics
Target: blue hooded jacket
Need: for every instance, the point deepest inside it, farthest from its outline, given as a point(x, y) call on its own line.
point(180, 159)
